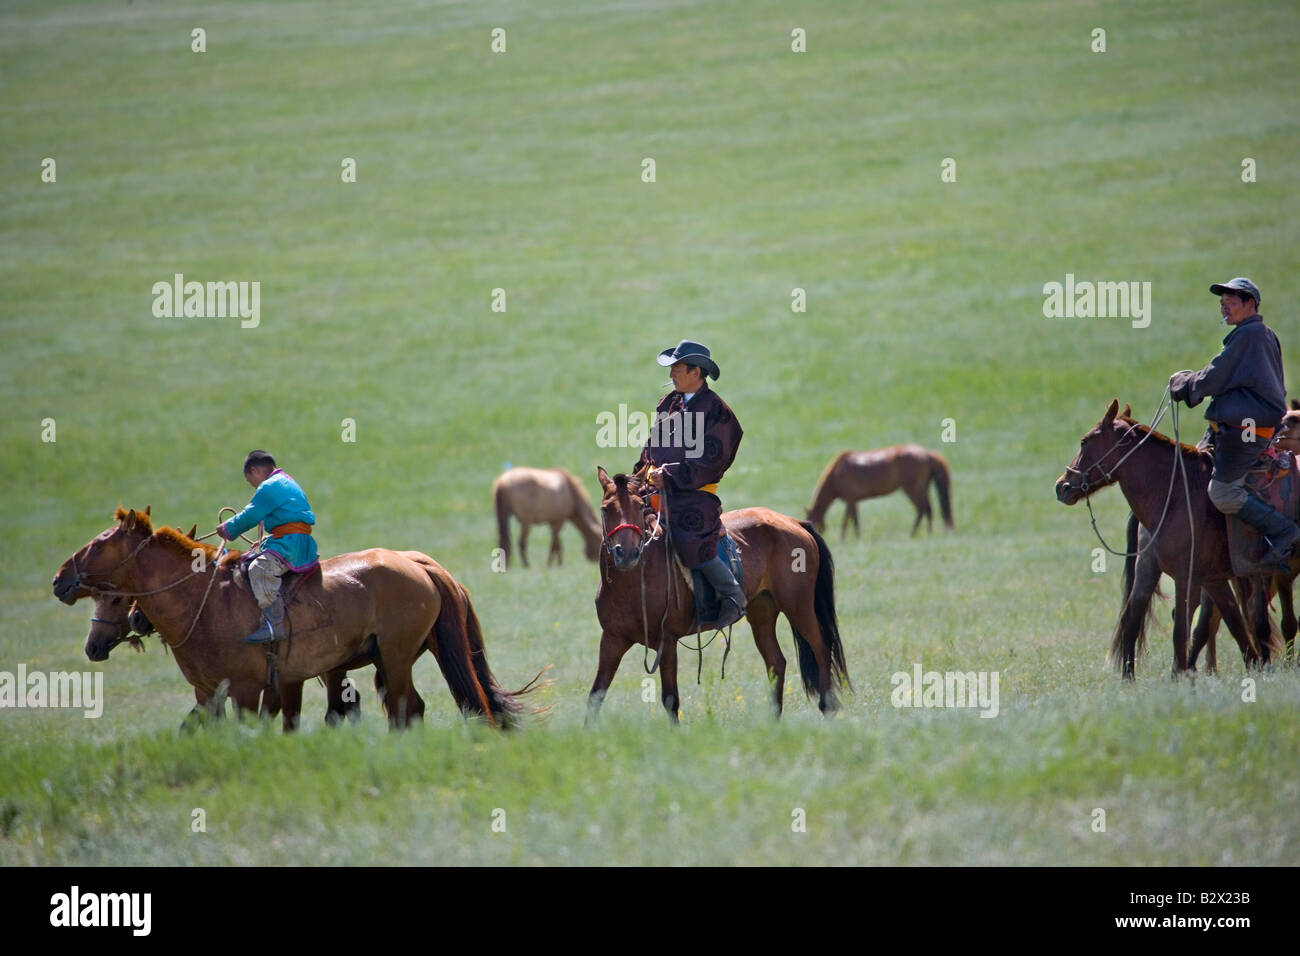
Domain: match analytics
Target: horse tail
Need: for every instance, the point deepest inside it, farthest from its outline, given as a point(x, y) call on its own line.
point(500, 499)
point(462, 657)
point(1130, 556)
point(827, 620)
point(942, 479)
point(506, 705)
point(824, 494)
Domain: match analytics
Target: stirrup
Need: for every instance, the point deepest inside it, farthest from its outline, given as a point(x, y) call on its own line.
point(265, 634)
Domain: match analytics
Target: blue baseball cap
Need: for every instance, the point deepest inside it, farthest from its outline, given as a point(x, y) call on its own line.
point(1239, 284)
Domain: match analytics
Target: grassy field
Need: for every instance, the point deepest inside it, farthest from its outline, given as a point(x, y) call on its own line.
point(522, 171)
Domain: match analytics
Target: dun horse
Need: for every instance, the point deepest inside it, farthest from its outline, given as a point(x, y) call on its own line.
point(543, 496)
point(643, 597)
point(855, 475)
point(381, 607)
point(1145, 465)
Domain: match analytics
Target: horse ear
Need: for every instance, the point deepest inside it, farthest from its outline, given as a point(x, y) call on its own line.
point(603, 478)
point(1128, 411)
point(129, 521)
point(194, 529)
point(1111, 412)
point(1295, 403)
point(148, 508)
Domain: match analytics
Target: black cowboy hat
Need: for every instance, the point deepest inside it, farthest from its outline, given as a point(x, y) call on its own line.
point(692, 353)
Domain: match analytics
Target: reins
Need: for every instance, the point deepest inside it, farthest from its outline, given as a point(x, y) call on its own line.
point(1108, 476)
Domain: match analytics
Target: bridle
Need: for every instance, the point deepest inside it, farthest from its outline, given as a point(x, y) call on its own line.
point(109, 587)
point(1166, 405)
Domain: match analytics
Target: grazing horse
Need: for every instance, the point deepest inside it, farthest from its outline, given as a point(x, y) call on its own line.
point(379, 606)
point(543, 496)
point(855, 475)
point(643, 597)
point(1148, 468)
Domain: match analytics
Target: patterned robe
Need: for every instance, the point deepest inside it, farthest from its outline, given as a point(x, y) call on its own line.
point(692, 457)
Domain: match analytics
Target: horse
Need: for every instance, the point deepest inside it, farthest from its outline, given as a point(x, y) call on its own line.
point(855, 475)
point(643, 599)
point(114, 621)
point(543, 496)
point(1282, 584)
point(1140, 584)
point(381, 607)
point(1147, 466)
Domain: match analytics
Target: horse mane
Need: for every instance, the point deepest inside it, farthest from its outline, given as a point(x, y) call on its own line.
point(173, 538)
point(1158, 436)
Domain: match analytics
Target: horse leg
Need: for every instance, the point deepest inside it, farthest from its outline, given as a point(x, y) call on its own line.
point(525, 527)
point(291, 701)
point(1221, 591)
point(246, 696)
point(612, 650)
point(1289, 625)
point(668, 680)
point(1259, 617)
point(761, 614)
point(1207, 626)
point(341, 699)
point(849, 508)
point(555, 553)
point(400, 699)
point(853, 516)
point(1183, 591)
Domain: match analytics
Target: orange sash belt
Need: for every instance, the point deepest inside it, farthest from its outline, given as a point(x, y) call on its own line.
point(654, 495)
point(1261, 432)
point(290, 527)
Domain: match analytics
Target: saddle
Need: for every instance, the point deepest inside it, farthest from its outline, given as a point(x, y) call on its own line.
point(707, 602)
point(302, 593)
point(1275, 480)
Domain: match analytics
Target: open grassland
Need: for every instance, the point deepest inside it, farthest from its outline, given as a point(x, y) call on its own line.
point(522, 171)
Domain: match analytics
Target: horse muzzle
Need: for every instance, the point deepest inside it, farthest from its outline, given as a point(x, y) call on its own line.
point(68, 589)
point(1067, 493)
point(625, 559)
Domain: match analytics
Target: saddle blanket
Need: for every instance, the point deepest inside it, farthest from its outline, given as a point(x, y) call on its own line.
point(1274, 481)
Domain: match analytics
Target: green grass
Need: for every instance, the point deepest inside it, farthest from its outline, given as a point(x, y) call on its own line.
point(774, 171)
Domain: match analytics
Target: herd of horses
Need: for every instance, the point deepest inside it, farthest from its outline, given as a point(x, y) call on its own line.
point(1175, 529)
point(383, 609)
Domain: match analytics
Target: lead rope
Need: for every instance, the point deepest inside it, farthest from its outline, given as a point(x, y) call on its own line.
point(1191, 523)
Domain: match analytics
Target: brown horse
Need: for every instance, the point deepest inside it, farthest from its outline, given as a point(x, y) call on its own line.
point(381, 607)
point(543, 496)
point(1145, 465)
point(1281, 584)
point(855, 475)
point(643, 597)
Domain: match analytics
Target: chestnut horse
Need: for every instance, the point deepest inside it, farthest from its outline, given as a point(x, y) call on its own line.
point(1149, 469)
point(115, 621)
point(643, 597)
point(381, 607)
point(855, 475)
point(543, 496)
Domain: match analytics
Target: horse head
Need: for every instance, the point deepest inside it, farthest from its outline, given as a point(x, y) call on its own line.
point(622, 518)
point(1288, 436)
point(105, 556)
point(113, 621)
point(1098, 451)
